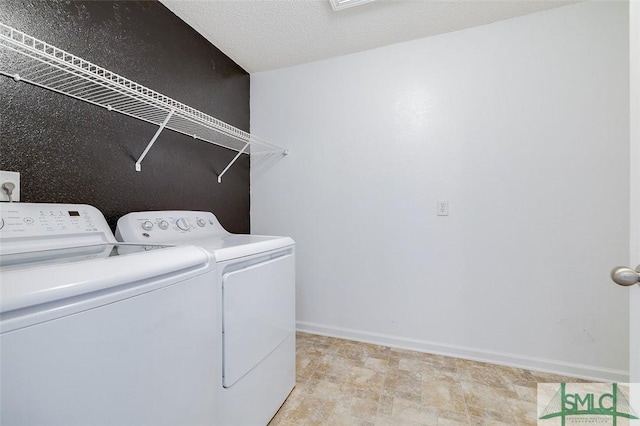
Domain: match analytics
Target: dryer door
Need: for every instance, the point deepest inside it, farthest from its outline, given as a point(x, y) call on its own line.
point(258, 311)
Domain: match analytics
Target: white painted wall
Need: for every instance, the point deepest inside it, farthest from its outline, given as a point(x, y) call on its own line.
point(523, 126)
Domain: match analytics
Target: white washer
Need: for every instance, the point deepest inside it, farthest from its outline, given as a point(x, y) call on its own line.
point(256, 275)
point(98, 333)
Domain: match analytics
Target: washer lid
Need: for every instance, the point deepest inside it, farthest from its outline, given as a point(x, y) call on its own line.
point(38, 278)
point(14, 261)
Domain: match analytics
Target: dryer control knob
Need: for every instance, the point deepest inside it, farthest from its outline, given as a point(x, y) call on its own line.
point(1, 223)
point(201, 223)
point(163, 224)
point(147, 226)
point(182, 224)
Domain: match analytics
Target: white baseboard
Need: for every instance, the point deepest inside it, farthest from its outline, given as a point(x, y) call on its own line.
point(582, 371)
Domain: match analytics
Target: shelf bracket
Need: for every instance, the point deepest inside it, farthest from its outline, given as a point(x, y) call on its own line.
point(153, 140)
point(232, 161)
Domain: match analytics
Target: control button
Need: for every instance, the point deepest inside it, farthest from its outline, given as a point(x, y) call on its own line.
point(1, 223)
point(163, 224)
point(147, 226)
point(201, 223)
point(182, 224)
point(28, 220)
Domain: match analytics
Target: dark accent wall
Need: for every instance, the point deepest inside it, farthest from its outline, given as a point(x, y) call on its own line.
point(69, 151)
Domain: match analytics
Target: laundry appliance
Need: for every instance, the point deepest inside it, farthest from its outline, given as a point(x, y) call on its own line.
point(93, 332)
point(256, 280)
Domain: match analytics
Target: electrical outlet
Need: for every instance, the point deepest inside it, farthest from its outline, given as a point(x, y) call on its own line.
point(13, 177)
point(443, 207)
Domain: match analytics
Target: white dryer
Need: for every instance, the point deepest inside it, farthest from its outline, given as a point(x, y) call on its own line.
point(256, 277)
point(93, 332)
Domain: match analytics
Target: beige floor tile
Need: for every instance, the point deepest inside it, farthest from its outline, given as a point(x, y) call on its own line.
point(404, 384)
point(306, 365)
point(492, 414)
point(442, 375)
point(517, 376)
point(370, 394)
point(524, 411)
point(411, 411)
point(344, 383)
point(343, 405)
point(459, 416)
point(341, 419)
point(364, 409)
point(477, 421)
point(448, 422)
point(385, 420)
point(416, 366)
point(483, 396)
point(309, 410)
point(526, 393)
point(322, 389)
point(405, 353)
point(443, 394)
point(490, 377)
point(350, 350)
point(335, 368)
point(359, 378)
point(377, 364)
point(385, 406)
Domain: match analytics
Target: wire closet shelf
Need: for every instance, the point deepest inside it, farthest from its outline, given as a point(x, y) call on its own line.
point(25, 58)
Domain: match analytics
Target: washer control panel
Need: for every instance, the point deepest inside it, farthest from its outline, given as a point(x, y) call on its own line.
point(36, 219)
point(168, 226)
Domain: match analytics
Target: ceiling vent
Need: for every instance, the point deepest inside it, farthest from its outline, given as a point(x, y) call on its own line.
point(343, 4)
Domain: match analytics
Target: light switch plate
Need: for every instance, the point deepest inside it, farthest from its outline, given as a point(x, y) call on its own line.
point(13, 177)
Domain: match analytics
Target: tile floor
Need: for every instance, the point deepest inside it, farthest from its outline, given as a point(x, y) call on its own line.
point(341, 382)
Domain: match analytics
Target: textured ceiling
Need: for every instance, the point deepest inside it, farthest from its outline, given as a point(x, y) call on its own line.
point(262, 35)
